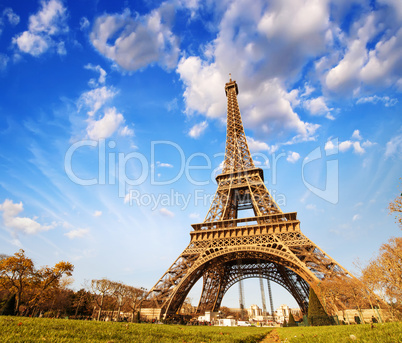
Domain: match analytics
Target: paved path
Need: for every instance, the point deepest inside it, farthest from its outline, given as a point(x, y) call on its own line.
point(272, 337)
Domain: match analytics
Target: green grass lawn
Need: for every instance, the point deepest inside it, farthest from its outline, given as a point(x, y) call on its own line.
point(381, 333)
point(22, 329)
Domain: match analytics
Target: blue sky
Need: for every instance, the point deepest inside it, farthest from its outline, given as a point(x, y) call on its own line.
point(113, 125)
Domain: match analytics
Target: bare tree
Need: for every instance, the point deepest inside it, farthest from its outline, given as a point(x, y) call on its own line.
point(187, 308)
point(134, 296)
point(120, 294)
point(395, 207)
point(101, 288)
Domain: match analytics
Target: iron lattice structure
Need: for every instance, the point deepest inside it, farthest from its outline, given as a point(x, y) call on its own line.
point(225, 249)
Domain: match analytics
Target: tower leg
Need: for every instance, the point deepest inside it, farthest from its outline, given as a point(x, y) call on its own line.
point(241, 294)
point(270, 300)
point(264, 307)
point(211, 287)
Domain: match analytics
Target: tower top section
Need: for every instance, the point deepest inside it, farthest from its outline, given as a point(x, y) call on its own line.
point(231, 84)
point(237, 154)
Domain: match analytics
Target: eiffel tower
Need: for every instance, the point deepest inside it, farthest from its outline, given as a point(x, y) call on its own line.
point(226, 249)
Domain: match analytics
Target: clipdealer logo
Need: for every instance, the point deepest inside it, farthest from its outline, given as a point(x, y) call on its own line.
point(330, 192)
point(112, 168)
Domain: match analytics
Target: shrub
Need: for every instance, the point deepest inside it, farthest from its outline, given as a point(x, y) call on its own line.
point(292, 321)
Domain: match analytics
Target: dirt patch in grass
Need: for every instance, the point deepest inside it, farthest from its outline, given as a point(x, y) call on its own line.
point(272, 337)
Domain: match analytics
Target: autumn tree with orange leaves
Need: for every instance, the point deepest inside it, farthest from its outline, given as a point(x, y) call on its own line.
point(15, 273)
point(384, 275)
point(47, 280)
point(19, 276)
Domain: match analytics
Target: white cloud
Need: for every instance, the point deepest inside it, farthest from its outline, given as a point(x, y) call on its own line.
point(17, 224)
point(357, 148)
point(307, 90)
point(317, 106)
point(270, 43)
point(394, 146)
point(194, 215)
point(198, 129)
point(311, 207)
point(293, 97)
point(96, 98)
point(344, 76)
point(356, 135)
point(255, 145)
point(126, 132)
point(395, 6)
point(364, 68)
point(100, 70)
point(386, 100)
point(77, 233)
point(346, 145)
point(266, 107)
point(31, 43)
point(102, 124)
point(305, 196)
point(84, 23)
point(204, 87)
point(293, 157)
point(164, 165)
point(219, 168)
point(17, 243)
point(44, 26)
point(329, 145)
point(61, 48)
point(3, 61)
point(172, 105)
point(105, 126)
point(12, 17)
point(191, 5)
point(135, 41)
point(97, 213)
point(356, 217)
point(383, 65)
point(367, 144)
point(309, 19)
point(265, 45)
point(165, 212)
point(50, 19)
point(334, 146)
